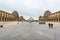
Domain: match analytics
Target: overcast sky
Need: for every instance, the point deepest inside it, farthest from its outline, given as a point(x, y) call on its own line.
point(30, 8)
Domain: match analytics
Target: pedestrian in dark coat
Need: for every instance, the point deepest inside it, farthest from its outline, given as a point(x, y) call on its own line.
point(1, 26)
point(49, 25)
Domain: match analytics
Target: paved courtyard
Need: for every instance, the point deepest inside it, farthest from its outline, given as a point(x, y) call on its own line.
point(30, 31)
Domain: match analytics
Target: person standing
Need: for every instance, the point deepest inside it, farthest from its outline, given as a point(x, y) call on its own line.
point(49, 25)
point(1, 26)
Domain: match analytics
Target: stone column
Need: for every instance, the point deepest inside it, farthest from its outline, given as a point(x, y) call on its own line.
point(1, 19)
point(58, 19)
point(4, 19)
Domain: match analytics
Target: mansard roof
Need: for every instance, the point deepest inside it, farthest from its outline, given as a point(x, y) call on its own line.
point(15, 12)
point(47, 11)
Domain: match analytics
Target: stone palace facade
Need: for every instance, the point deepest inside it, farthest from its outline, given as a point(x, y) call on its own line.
point(48, 16)
point(5, 16)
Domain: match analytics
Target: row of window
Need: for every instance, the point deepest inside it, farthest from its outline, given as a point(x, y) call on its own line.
point(2, 14)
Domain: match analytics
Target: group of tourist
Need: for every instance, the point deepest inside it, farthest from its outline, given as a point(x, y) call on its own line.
point(50, 25)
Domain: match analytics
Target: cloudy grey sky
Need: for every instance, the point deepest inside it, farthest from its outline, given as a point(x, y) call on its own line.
point(30, 8)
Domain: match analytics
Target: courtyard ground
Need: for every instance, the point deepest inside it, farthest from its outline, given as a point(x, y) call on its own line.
point(29, 31)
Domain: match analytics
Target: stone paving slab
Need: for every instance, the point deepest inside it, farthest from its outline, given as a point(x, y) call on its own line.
point(29, 31)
